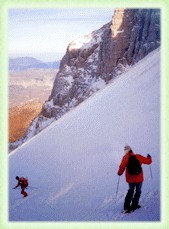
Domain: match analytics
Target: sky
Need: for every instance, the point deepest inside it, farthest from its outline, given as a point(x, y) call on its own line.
point(45, 33)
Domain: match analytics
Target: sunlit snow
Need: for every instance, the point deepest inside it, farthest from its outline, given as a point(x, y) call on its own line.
point(72, 165)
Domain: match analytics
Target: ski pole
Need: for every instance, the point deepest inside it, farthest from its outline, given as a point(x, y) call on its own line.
point(151, 172)
point(117, 186)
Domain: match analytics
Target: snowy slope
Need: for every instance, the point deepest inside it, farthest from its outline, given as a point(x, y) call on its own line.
point(72, 165)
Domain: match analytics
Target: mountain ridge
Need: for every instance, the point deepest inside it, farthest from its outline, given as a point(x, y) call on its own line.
point(92, 61)
point(24, 63)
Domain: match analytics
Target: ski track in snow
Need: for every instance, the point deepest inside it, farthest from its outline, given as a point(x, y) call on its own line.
point(72, 165)
point(19, 201)
point(54, 196)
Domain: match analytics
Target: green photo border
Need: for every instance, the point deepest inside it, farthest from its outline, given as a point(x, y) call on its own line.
point(7, 4)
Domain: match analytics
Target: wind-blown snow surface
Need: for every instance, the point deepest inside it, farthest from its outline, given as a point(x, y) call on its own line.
point(72, 165)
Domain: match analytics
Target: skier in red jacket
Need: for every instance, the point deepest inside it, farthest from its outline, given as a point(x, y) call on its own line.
point(134, 181)
point(23, 183)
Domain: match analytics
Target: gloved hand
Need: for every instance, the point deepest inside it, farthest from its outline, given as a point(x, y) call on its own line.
point(148, 155)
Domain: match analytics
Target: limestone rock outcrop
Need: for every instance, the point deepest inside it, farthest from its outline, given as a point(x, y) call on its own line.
point(93, 60)
point(104, 53)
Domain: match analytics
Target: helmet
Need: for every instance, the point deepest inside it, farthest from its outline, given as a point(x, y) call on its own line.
point(127, 148)
point(17, 178)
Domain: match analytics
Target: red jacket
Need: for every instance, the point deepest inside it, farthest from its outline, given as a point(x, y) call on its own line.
point(22, 182)
point(133, 178)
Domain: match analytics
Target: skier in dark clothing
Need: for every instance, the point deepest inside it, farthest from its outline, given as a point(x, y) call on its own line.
point(23, 182)
point(134, 180)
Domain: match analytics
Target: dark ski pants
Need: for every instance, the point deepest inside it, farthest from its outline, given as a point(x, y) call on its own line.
point(132, 199)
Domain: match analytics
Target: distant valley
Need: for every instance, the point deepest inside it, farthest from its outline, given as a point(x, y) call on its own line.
point(20, 118)
point(29, 88)
point(30, 84)
point(24, 63)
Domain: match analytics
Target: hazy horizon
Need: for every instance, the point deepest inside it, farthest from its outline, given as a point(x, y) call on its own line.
point(45, 33)
point(41, 57)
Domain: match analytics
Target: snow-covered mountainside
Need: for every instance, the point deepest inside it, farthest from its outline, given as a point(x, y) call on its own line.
point(92, 61)
point(72, 165)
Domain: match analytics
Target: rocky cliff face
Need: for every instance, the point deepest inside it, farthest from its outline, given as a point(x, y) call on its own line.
point(95, 59)
point(132, 35)
point(103, 54)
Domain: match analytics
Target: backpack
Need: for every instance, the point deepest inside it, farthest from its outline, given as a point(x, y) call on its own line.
point(23, 181)
point(134, 166)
